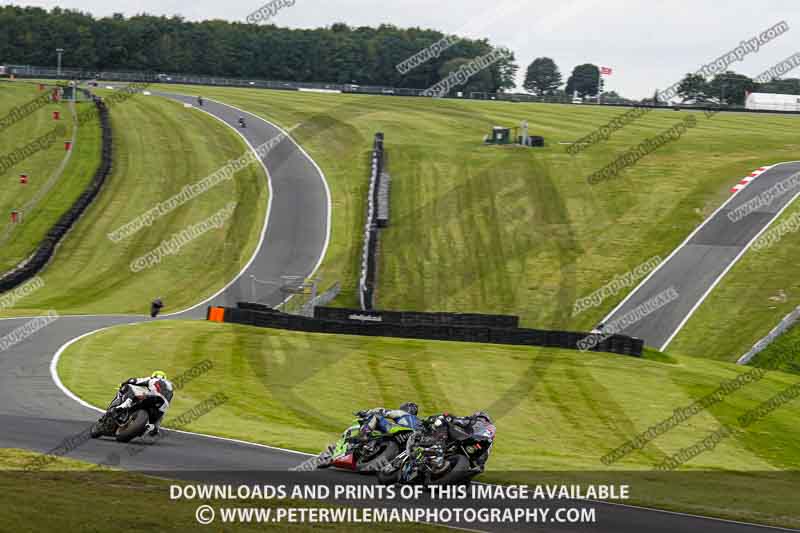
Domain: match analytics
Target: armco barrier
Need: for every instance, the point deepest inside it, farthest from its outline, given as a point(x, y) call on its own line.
point(415, 317)
point(784, 325)
point(446, 332)
point(369, 254)
point(47, 247)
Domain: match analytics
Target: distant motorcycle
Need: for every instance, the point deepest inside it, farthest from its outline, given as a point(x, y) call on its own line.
point(130, 423)
point(445, 450)
point(242, 123)
point(367, 456)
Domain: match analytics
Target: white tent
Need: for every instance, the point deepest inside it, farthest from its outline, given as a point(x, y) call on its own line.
point(773, 102)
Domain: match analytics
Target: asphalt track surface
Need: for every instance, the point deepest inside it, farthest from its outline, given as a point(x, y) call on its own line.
point(36, 414)
point(695, 267)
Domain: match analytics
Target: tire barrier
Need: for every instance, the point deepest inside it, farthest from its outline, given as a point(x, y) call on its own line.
point(369, 255)
point(44, 252)
point(619, 344)
point(410, 318)
point(384, 183)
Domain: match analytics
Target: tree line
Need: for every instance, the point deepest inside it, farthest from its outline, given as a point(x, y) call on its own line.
point(543, 78)
point(336, 54)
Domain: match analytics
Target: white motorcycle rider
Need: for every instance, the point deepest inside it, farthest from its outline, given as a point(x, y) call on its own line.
point(137, 409)
point(157, 387)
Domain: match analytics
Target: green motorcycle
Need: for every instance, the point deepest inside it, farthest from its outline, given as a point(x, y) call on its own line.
point(368, 455)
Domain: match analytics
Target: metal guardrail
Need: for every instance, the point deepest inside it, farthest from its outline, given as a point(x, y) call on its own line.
point(367, 281)
point(784, 325)
point(323, 299)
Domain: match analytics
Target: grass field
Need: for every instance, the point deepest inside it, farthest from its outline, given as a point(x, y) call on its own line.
point(82, 497)
point(160, 147)
point(510, 229)
point(17, 241)
point(555, 410)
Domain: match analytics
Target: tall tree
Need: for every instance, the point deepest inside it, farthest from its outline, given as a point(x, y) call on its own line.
point(505, 72)
point(784, 86)
point(542, 77)
point(731, 88)
point(337, 54)
point(482, 82)
point(693, 85)
point(585, 79)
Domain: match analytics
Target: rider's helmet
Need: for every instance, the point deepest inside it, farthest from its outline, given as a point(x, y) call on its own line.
point(477, 415)
point(410, 407)
point(158, 374)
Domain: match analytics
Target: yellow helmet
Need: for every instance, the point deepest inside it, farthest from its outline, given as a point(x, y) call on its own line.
point(158, 374)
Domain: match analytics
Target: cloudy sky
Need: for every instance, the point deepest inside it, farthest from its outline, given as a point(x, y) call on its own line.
point(649, 44)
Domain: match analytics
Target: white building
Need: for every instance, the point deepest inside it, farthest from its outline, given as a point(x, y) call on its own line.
point(773, 102)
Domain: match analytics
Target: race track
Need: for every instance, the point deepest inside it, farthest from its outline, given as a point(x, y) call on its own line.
point(37, 414)
point(697, 265)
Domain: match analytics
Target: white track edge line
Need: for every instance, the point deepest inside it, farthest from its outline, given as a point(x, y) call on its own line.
point(70, 394)
point(57, 380)
point(724, 272)
point(319, 171)
point(263, 228)
point(671, 255)
point(54, 362)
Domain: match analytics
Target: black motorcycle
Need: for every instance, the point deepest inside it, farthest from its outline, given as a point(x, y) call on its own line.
point(131, 422)
point(242, 123)
point(445, 450)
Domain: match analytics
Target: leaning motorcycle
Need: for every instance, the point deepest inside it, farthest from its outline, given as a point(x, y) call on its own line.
point(351, 452)
point(441, 452)
point(131, 422)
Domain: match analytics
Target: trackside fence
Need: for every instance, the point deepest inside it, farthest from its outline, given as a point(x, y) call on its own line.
point(30, 71)
point(409, 318)
point(423, 326)
point(369, 255)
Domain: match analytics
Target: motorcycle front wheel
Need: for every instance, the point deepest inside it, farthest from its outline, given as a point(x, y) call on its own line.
point(388, 476)
point(375, 463)
point(95, 432)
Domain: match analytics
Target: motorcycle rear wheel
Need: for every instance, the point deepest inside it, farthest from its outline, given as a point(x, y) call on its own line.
point(134, 428)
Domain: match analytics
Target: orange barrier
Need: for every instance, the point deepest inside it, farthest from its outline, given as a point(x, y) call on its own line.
point(216, 314)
